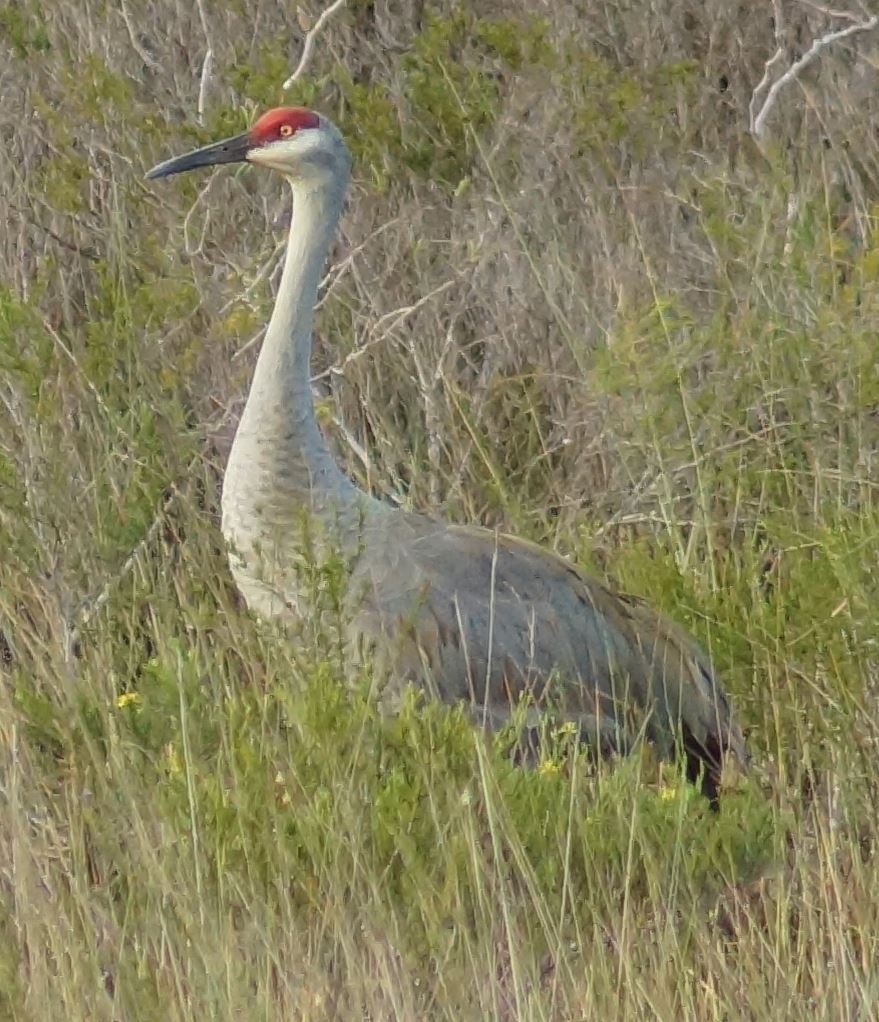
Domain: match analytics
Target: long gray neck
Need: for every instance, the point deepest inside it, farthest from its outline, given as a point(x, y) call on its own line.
point(280, 464)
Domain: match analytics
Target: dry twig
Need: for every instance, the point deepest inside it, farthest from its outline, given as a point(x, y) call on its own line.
point(203, 83)
point(207, 63)
point(758, 117)
point(310, 38)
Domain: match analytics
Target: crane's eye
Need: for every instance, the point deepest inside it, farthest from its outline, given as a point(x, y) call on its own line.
point(286, 130)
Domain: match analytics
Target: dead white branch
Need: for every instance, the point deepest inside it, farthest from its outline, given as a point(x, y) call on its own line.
point(203, 84)
point(207, 63)
point(310, 38)
point(763, 84)
point(758, 118)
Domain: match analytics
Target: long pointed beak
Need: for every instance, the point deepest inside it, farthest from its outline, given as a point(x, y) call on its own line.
point(230, 150)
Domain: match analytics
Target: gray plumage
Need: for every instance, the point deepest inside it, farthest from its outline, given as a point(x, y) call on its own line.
point(466, 613)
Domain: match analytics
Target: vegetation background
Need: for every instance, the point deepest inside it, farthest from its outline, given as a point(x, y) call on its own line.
point(571, 298)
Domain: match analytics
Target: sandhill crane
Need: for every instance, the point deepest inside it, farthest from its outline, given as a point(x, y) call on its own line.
point(464, 612)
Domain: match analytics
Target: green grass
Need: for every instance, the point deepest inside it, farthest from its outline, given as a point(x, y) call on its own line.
point(643, 343)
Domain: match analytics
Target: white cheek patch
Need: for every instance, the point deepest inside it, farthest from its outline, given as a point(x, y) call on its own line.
point(275, 153)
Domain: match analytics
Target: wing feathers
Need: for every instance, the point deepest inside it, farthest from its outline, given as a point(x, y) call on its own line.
point(483, 617)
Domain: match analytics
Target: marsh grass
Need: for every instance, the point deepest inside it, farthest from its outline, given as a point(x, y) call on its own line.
point(569, 299)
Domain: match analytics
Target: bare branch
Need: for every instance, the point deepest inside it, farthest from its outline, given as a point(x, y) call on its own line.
point(396, 316)
point(207, 63)
point(830, 12)
point(758, 120)
point(86, 252)
point(203, 18)
point(770, 65)
point(310, 39)
point(90, 607)
point(144, 55)
point(763, 84)
point(203, 84)
point(93, 390)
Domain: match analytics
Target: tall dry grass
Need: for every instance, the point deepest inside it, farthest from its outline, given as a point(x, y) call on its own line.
point(570, 297)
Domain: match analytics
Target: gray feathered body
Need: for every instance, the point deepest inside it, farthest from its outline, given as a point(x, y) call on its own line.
point(489, 619)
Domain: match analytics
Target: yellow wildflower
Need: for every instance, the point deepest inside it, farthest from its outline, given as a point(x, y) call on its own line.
point(667, 792)
point(281, 785)
point(568, 728)
point(128, 699)
point(548, 766)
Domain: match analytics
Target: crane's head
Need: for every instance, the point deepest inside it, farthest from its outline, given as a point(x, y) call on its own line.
point(300, 144)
